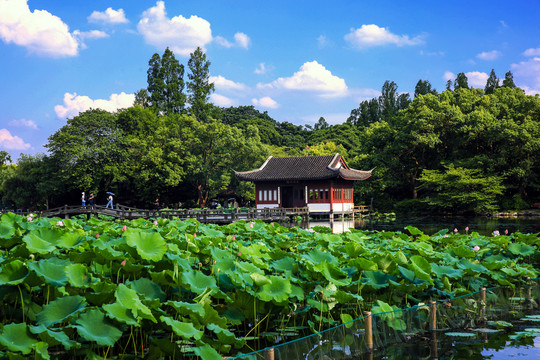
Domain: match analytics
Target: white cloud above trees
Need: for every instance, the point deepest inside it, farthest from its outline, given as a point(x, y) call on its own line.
point(221, 100)
point(39, 31)
point(372, 35)
point(74, 104)
point(182, 35)
point(221, 83)
point(109, 16)
point(265, 102)
point(527, 75)
point(31, 124)
point(314, 77)
point(489, 55)
point(532, 52)
point(11, 142)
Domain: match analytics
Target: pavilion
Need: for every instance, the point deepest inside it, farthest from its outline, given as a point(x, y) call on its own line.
point(324, 184)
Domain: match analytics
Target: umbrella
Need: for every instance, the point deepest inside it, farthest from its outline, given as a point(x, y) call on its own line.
point(110, 193)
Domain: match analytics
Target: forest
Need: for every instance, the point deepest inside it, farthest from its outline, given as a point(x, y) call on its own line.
point(462, 150)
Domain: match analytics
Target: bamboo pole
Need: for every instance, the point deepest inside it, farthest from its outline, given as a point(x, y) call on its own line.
point(433, 318)
point(369, 330)
point(483, 298)
point(269, 355)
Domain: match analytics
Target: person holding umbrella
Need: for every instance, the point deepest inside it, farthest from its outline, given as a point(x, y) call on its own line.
point(110, 198)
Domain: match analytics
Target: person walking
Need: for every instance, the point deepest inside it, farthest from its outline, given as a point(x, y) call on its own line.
point(83, 200)
point(110, 202)
point(91, 200)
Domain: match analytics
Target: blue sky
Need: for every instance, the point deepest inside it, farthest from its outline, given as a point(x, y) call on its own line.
point(298, 60)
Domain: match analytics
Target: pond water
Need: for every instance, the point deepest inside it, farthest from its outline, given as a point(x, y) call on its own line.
point(432, 224)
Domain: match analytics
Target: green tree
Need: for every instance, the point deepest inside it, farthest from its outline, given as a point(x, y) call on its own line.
point(321, 124)
point(165, 78)
point(508, 80)
point(217, 149)
point(33, 183)
point(459, 189)
point(199, 86)
point(449, 85)
point(91, 150)
point(423, 87)
point(492, 83)
point(461, 81)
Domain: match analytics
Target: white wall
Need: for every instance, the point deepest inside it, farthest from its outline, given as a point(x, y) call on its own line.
point(267, 206)
point(314, 207)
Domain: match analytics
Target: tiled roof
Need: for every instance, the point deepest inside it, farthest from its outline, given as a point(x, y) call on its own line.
point(303, 168)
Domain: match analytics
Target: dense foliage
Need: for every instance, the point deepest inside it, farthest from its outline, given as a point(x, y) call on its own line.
point(461, 150)
point(78, 288)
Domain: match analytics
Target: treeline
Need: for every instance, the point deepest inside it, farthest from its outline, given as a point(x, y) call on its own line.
point(461, 150)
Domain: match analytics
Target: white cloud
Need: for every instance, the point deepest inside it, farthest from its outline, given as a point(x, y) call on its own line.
point(182, 35)
point(81, 36)
point(448, 75)
point(477, 79)
point(222, 83)
point(74, 104)
point(312, 76)
point(221, 100)
point(31, 124)
point(322, 41)
point(532, 52)
point(266, 102)
point(38, 31)
point(10, 142)
point(489, 55)
point(263, 69)
point(373, 35)
point(527, 75)
point(240, 40)
point(108, 16)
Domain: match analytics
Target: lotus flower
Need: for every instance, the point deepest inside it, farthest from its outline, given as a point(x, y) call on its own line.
point(123, 263)
point(97, 235)
point(456, 230)
point(506, 232)
point(155, 222)
point(29, 219)
point(476, 248)
point(239, 253)
point(233, 238)
point(59, 223)
point(251, 225)
point(496, 233)
point(124, 228)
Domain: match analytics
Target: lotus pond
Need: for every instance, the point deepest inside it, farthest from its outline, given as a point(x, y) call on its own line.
point(179, 289)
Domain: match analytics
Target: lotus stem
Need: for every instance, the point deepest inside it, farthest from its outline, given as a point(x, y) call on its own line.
point(256, 325)
point(22, 301)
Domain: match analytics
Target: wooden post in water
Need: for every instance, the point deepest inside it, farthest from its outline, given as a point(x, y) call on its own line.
point(369, 330)
point(269, 354)
point(483, 298)
point(433, 317)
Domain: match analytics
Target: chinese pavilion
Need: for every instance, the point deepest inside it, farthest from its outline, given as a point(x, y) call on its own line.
point(321, 183)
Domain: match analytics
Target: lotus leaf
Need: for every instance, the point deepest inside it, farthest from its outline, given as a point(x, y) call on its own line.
point(364, 264)
point(16, 337)
point(384, 262)
point(70, 239)
point(183, 329)
point(187, 309)
point(197, 281)
point(463, 251)
point(259, 279)
point(52, 270)
point(53, 337)
point(286, 264)
point(407, 274)
point(78, 276)
point(278, 290)
point(130, 300)
point(225, 336)
point(471, 268)
point(522, 249)
point(375, 279)
point(42, 241)
point(41, 349)
point(93, 326)
point(60, 309)
point(148, 288)
point(332, 273)
point(442, 271)
point(317, 256)
point(207, 352)
point(421, 267)
point(13, 273)
point(460, 334)
point(347, 320)
point(120, 313)
point(148, 243)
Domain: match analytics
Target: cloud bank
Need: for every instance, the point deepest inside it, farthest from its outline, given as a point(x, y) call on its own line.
point(74, 104)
